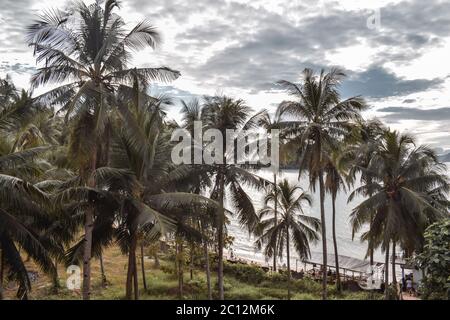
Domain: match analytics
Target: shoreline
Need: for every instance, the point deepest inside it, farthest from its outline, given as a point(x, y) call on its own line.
point(357, 271)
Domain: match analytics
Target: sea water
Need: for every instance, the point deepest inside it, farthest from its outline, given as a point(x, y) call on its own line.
point(348, 247)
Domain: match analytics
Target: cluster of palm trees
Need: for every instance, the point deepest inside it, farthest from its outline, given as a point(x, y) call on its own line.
point(88, 164)
point(404, 185)
point(406, 190)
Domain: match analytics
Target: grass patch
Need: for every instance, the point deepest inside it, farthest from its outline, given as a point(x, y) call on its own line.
point(241, 282)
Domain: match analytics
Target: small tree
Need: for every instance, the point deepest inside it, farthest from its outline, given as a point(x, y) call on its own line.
point(435, 260)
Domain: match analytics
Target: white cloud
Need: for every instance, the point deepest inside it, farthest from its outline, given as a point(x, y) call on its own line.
point(355, 58)
point(241, 47)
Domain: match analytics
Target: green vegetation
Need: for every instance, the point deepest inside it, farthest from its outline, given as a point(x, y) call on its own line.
point(163, 283)
point(87, 178)
point(319, 122)
point(406, 191)
point(435, 260)
point(291, 223)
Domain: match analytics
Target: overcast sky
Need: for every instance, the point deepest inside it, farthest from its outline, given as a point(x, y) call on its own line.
point(241, 48)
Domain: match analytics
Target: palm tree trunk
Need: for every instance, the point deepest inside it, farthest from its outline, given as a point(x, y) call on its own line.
point(394, 276)
point(288, 262)
point(336, 254)
point(180, 270)
point(386, 273)
point(135, 273)
point(87, 252)
point(371, 243)
point(324, 236)
point(128, 285)
point(370, 249)
point(220, 235)
point(207, 270)
point(144, 280)
point(176, 257)
point(55, 278)
point(131, 268)
point(276, 221)
point(102, 271)
point(88, 228)
point(191, 262)
point(2, 263)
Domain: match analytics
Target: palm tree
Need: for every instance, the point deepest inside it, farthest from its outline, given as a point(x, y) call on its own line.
point(186, 232)
point(142, 180)
point(22, 216)
point(357, 152)
point(8, 91)
point(403, 179)
point(87, 49)
point(334, 181)
point(16, 110)
point(320, 121)
point(293, 224)
point(265, 121)
point(125, 203)
point(26, 213)
point(222, 113)
point(199, 181)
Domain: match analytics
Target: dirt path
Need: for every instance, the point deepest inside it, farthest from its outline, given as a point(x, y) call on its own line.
point(406, 296)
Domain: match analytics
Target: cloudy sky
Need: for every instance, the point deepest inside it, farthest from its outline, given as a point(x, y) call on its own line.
point(395, 53)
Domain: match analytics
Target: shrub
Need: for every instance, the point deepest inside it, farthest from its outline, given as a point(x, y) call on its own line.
point(392, 292)
point(307, 286)
point(276, 278)
point(168, 269)
point(244, 272)
point(195, 287)
point(435, 260)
